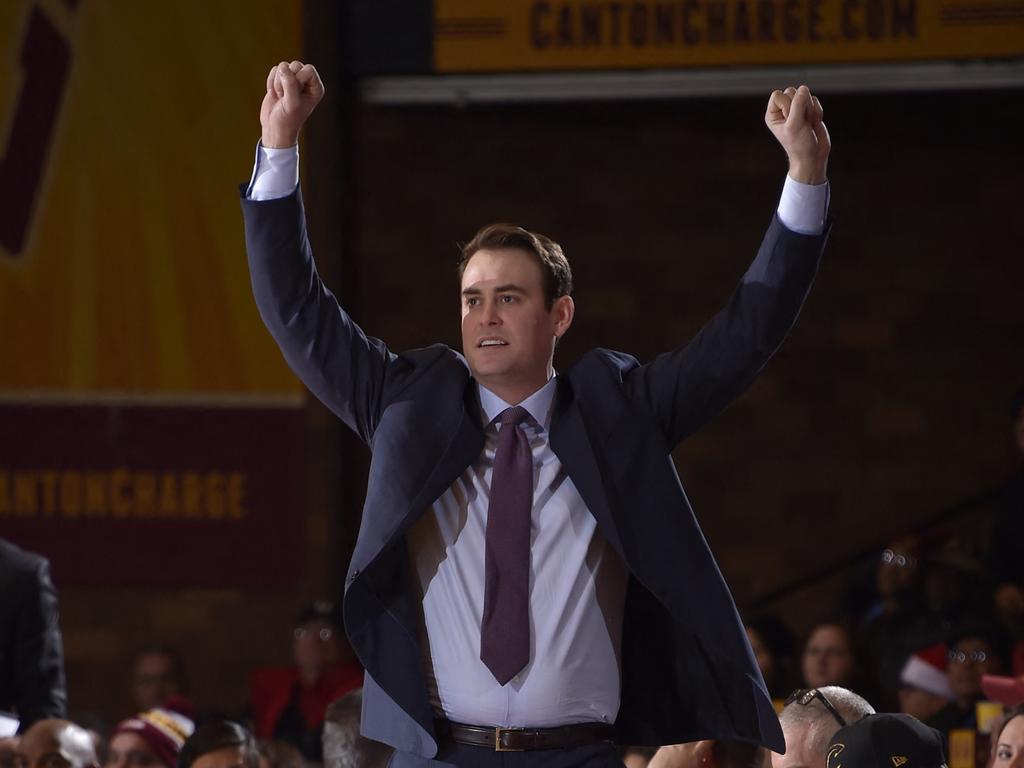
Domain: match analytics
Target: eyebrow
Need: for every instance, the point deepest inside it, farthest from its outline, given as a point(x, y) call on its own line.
point(508, 288)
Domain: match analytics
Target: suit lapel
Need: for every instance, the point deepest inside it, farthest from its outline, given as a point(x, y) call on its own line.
point(574, 447)
point(464, 447)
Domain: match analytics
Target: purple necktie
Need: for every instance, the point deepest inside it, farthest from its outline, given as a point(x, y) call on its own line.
point(505, 629)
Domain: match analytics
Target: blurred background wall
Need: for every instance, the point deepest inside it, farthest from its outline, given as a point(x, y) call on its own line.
point(135, 363)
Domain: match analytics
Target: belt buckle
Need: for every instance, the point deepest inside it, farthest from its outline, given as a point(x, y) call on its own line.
point(498, 746)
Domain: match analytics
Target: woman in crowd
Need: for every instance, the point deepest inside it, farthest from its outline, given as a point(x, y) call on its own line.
point(828, 657)
point(1008, 740)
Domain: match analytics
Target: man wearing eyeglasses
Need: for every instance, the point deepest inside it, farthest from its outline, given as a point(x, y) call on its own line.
point(289, 703)
point(811, 718)
point(973, 651)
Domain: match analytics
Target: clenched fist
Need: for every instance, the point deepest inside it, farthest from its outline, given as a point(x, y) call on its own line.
point(293, 91)
point(794, 116)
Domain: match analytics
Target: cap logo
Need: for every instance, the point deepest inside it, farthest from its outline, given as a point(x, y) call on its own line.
point(898, 760)
point(834, 752)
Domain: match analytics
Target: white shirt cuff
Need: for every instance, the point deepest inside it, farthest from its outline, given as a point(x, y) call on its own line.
point(802, 207)
point(275, 173)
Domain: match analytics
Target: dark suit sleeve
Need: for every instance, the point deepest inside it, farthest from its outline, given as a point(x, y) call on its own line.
point(340, 364)
point(37, 654)
point(687, 387)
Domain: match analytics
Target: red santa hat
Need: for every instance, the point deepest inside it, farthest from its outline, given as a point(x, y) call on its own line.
point(926, 670)
point(164, 728)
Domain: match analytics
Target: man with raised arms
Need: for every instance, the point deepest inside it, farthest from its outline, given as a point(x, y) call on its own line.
point(529, 575)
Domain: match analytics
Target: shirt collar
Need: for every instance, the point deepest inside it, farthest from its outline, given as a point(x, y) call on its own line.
point(538, 405)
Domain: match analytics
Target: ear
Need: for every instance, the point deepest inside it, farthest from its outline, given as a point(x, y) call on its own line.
point(562, 312)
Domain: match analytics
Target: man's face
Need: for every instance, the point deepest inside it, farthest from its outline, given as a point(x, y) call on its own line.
point(797, 752)
point(508, 333)
point(315, 647)
point(969, 659)
point(897, 570)
point(155, 678)
point(54, 744)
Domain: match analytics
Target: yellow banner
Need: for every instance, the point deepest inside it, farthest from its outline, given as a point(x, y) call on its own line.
point(125, 128)
point(528, 35)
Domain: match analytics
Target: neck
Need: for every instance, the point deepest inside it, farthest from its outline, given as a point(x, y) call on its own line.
point(515, 392)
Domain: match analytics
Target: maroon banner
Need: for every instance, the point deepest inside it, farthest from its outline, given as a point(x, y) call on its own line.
point(143, 495)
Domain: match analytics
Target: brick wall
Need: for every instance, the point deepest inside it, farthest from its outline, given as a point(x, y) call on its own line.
point(888, 402)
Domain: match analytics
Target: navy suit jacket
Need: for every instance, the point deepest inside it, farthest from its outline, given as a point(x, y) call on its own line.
point(687, 669)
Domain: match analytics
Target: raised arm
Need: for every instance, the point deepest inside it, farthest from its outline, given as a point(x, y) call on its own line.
point(687, 387)
point(343, 367)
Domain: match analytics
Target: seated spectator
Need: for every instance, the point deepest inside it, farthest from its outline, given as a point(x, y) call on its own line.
point(288, 703)
point(884, 741)
point(277, 754)
point(774, 649)
point(152, 738)
point(219, 744)
point(898, 622)
point(828, 657)
point(51, 743)
point(974, 650)
point(710, 754)
point(157, 674)
point(810, 719)
point(924, 685)
point(344, 746)
point(1008, 740)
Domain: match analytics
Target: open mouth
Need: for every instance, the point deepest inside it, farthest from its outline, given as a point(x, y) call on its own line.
point(483, 343)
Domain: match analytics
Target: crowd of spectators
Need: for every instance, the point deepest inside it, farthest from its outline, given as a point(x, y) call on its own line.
point(922, 622)
point(301, 715)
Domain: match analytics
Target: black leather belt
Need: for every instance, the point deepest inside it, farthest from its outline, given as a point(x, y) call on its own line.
point(524, 739)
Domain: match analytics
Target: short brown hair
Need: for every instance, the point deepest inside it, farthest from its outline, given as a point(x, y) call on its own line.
point(556, 276)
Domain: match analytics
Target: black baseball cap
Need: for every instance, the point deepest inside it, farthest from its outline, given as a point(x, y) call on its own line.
point(886, 741)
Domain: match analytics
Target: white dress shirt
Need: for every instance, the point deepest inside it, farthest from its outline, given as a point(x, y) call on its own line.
point(577, 593)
